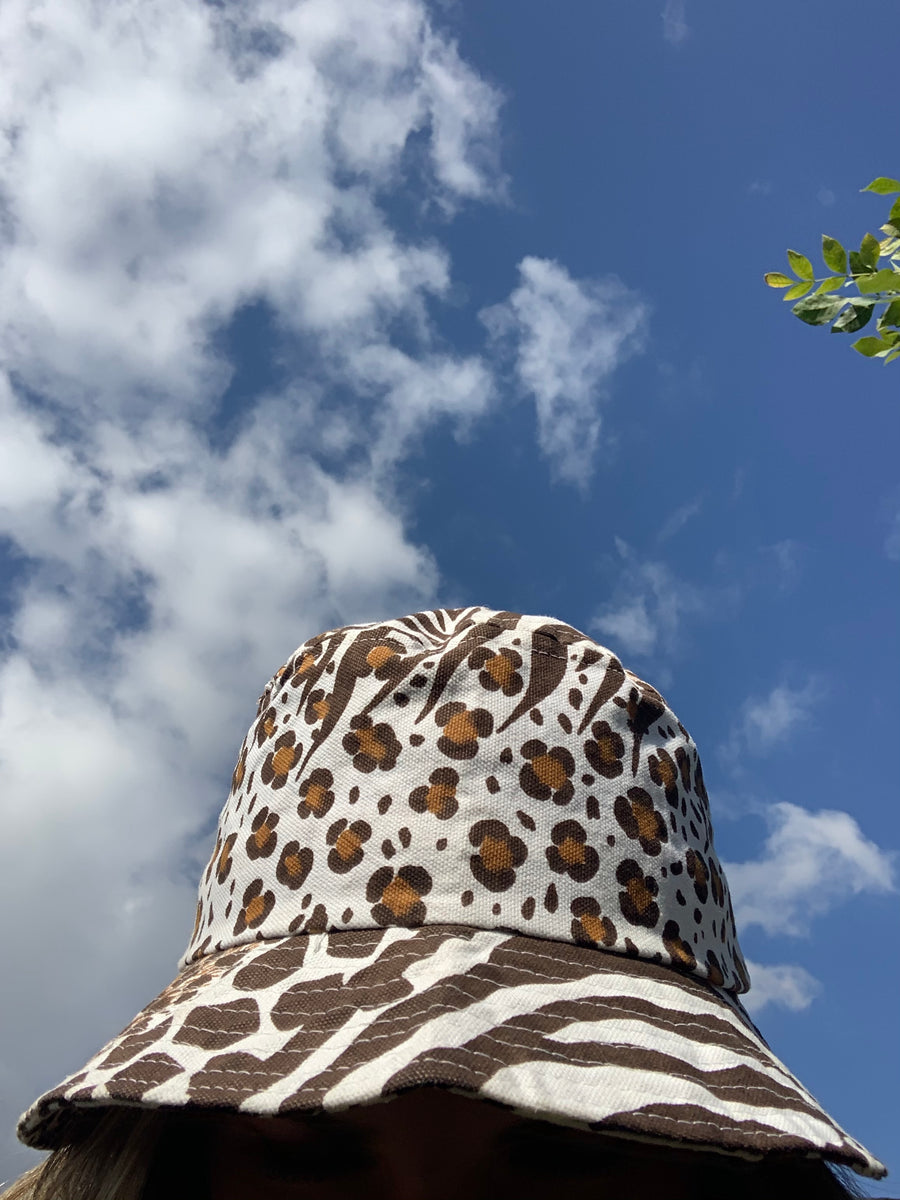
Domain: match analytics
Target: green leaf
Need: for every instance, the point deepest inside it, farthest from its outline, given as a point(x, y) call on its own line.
point(855, 317)
point(890, 230)
point(818, 310)
point(800, 265)
point(891, 315)
point(882, 186)
point(834, 254)
point(870, 346)
point(894, 214)
point(869, 251)
point(831, 284)
point(798, 290)
point(884, 280)
point(857, 266)
point(893, 354)
point(777, 280)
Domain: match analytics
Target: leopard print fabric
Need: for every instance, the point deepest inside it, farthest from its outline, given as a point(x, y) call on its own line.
point(475, 767)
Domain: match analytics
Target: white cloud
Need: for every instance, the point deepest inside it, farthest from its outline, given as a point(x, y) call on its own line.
point(464, 116)
point(678, 519)
point(810, 863)
point(162, 172)
point(161, 166)
point(787, 985)
point(570, 335)
point(675, 27)
point(770, 720)
point(647, 607)
point(630, 626)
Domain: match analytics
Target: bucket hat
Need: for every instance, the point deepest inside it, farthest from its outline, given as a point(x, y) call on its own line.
point(464, 848)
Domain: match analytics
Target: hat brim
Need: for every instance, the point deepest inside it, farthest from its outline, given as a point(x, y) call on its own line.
point(563, 1032)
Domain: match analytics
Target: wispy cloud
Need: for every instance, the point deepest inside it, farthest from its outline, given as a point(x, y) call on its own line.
point(769, 720)
point(675, 26)
point(678, 519)
point(788, 556)
point(811, 862)
point(568, 337)
point(648, 605)
point(787, 985)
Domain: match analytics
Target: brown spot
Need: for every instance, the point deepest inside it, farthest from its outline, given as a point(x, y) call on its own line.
point(292, 864)
point(549, 771)
point(597, 929)
point(500, 669)
point(646, 821)
point(283, 759)
point(369, 744)
point(680, 951)
point(438, 793)
point(460, 729)
point(571, 851)
point(255, 909)
point(496, 854)
point(639, 894)
point(399, 896)
point(347, 844)
point(667, 771)
point(238, 777)
point(315, 796)
point(320, 708)
point(378, 656)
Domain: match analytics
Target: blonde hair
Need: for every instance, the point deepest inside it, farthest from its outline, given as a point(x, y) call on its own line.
point(112, 1162)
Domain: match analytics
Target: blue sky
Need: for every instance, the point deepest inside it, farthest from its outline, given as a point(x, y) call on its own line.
point(313, 317)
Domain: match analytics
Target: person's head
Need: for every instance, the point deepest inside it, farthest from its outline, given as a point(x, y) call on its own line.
point(424, 1144)
point(463, 850)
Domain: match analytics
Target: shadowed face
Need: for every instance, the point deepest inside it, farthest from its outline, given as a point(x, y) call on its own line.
point(432, 1144)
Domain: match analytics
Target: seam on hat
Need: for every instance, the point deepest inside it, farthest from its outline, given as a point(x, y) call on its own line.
point(369, 635)
point(260, 1073)
point(601, 969)
point(559, 1056)
point(420, 1012)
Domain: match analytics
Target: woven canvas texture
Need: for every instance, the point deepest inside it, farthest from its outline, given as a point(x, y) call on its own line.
point(464, 812)
point(549, 1029)
point(476, 767)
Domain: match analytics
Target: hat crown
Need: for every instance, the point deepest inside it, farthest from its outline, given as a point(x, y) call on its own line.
point(467, 766)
